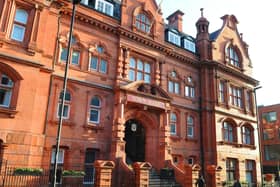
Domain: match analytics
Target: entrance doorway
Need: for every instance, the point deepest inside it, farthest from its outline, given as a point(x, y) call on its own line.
point(135, 141)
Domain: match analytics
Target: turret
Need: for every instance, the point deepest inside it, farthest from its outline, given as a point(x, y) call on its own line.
point(202, 37)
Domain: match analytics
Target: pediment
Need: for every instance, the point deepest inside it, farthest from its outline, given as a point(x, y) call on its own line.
point(153, 90)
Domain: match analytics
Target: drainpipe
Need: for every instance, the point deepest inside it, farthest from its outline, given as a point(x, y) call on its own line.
point(53, 66)
point(202, 159)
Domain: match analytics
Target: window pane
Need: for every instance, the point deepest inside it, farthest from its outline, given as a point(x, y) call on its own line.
point(63, 55)
point(21, 16)
point(18, 32)
point(5, 97)
point(147, 78)
point(100, 49)
point(177, 89)
point(109, 9)
point(65, 114)
point(173, 117)
point(139, 76)
point(131, 75)
point(170, 86)
point(140, 65)
point(75, 57)
point(95, 102)
point(147, 68)
point(67, 96)
point(187, 91)
point(103, 66)
point(172, 129)
point(94, 115)
point(100, 6)
point(132, 63)
point(6, 81)
point(60, 159)
point(93, 63)
point(190, 131)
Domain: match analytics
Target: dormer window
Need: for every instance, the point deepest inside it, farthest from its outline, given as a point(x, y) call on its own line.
point(189, 45)
point(143, 23)
point(105, 7)
point(174, 38)
point(232, 57)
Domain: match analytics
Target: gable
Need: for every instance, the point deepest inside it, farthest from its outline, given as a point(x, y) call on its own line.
point(145, 89)
point(228, 35)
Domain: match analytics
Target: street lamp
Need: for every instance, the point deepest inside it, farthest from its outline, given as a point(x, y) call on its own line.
point(259, 131)
point(74, 2)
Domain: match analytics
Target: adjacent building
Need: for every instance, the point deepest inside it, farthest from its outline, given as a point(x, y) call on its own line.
point(139, 90)
point(270, 138)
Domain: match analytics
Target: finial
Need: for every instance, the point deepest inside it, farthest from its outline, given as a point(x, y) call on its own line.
point(241, 36)
point(201, 12)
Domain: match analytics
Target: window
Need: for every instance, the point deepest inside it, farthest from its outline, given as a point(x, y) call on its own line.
point(190, 127)
point(60, 159)
point(272, 152)
point(90, 157)
point(174, 38)
point(269, 117)
point(236, 96)
point(233, 57)
point(98, 61)
point(247, 135)
point(19, 25)
point(222, 93)
point(105, 7)
point(143, 23)
point(228, 132)
point(231, 169)
point(6, 88)
point(66, 111)
point(190, 160)
point(189, 91)
point(173, 83)
point(173, 123)
point(74, 53)
point(250, 171)
point(95, 106)
point(173, 87)
point(189, 45)
point(139, 70)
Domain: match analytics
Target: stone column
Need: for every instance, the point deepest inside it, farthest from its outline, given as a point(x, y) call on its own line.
point(195, 174)
point(103, 173)
point(126, 63)
point(142, 173)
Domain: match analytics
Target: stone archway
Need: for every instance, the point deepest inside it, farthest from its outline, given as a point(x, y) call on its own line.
point(135, 139)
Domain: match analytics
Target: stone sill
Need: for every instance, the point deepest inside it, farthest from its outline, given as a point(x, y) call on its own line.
point(8, 112)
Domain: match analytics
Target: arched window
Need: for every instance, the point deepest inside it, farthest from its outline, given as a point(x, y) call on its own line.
point(66, 111)
point(143, 23)
point(173, 83)
point(75, 52)
point(98, 60)
point(19, 25)
point(233, 57)
point(94, 113)
point(229, 134)
point(173, 123)
point(247, 135)
point(6, 90)
point(190, 127)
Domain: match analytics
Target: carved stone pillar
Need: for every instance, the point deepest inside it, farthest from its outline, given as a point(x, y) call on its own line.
point(157, 76)
point(118, 144)
point(34, 31)
point(126, 63)
point(120, 63)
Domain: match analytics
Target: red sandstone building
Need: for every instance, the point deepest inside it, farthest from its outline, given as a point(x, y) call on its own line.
point(270, 138)
point(139, 90)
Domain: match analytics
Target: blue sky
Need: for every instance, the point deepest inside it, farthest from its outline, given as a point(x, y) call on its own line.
point(259, 23)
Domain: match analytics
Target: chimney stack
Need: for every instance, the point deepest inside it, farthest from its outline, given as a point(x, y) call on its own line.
point(175, 20)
